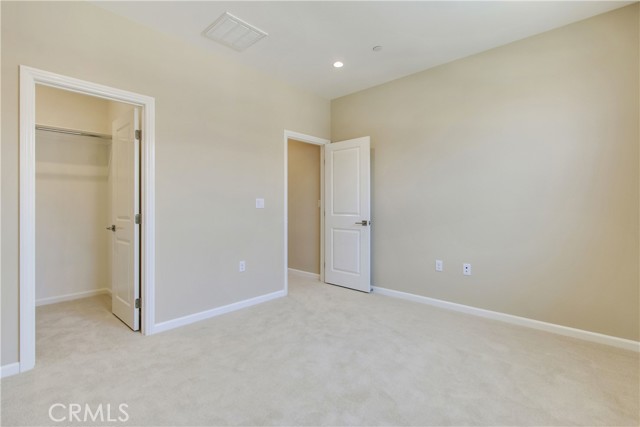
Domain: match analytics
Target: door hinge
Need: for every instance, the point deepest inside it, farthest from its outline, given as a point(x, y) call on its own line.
point(137, 304)
point(138, 219)
point(138, 134)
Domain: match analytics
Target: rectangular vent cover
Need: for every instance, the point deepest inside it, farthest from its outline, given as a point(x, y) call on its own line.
point(233, 32)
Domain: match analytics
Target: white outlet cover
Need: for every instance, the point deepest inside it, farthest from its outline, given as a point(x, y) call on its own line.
point(439, 265)
point(259, 203)
point(466, 269)
point(242, 266)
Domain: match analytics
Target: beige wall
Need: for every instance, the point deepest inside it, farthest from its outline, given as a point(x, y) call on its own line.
point(218, 147)
point(71, 215)
point(117, 110)
point(61, 108)
point(522, 161)
point(72, 245)
point(304, 212)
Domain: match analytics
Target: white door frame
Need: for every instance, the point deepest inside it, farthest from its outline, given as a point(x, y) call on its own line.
point(29, 77)
point(309, 140)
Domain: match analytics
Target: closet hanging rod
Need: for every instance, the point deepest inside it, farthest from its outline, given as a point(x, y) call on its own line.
point(72, 132)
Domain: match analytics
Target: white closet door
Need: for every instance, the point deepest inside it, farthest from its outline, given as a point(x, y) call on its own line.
point(125, 204)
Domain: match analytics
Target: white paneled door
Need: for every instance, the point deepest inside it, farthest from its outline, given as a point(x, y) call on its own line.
point(348, 214)
point(125, 204)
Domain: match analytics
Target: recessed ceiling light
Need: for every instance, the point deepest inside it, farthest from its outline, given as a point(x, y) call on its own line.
point(338, 64)
point(377, 48)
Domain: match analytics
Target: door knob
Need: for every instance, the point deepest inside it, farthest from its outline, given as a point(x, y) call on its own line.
point(112, 228)
point(363, 223)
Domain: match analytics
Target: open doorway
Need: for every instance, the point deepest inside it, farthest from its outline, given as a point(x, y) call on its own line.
point(87, 164)
point(345, 211)
point(304, 188)
point(30, 79)
point(304, 208)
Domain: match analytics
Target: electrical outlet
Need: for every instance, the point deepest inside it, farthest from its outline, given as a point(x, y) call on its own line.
point(466, 269)
point(439, 265)
point(242, 266)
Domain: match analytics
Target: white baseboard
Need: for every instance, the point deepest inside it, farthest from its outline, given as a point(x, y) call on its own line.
point(10, 369)
point(71, 297)
point(304, 274)
point(192, 318)
point(516, 320)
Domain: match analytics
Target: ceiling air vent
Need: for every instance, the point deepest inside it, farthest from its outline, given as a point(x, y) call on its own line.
point(233, 32)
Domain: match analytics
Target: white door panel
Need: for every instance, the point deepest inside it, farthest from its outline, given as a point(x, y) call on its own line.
point(346, 251)
point(125, 204)
point(346, 182)
point(347, 214)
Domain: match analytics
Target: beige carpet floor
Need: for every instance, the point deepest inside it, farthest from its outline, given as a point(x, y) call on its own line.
point(322, 356)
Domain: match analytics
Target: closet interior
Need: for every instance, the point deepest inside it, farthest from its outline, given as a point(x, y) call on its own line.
point(73, 152)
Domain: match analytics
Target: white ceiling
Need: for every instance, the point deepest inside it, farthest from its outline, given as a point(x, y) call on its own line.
point(305, 38)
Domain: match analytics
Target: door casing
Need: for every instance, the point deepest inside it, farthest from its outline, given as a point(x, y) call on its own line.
point(309, 140)
point(29, 77)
